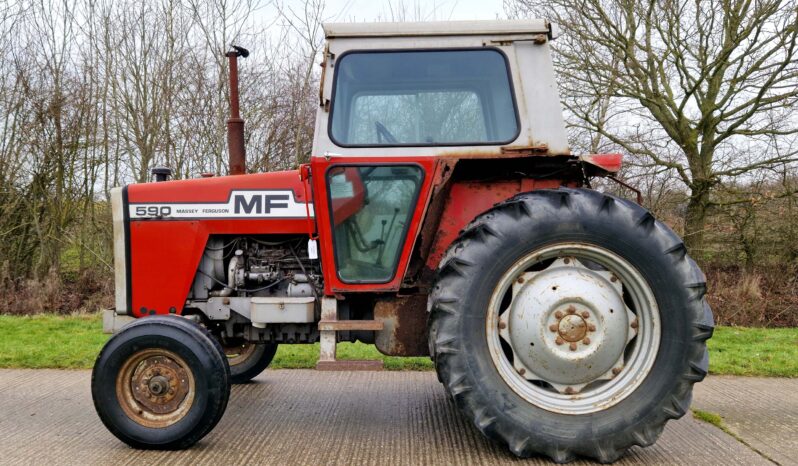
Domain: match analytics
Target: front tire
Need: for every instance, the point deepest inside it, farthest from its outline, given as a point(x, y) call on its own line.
point(161, 383)
point(568, 322)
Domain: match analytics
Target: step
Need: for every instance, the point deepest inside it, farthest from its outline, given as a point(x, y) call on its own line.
point(328, 339)
point(344, 325)
point(350, 365)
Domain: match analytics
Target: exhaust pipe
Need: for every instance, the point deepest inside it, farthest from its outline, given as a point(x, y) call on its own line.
point(235, 125)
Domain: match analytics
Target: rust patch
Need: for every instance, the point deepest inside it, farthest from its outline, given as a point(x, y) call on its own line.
point(404, 322)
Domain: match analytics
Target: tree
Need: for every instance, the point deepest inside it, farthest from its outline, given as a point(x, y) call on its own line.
point(702, 89)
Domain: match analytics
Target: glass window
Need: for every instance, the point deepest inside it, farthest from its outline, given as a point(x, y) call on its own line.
point(371, 208)
point(423, 98)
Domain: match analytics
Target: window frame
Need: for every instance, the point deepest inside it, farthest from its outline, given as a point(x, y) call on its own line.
point(411, 214)
point(508, 73)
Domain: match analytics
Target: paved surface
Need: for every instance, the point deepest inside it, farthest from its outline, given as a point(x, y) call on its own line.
point(308, 417)
point(762, 412)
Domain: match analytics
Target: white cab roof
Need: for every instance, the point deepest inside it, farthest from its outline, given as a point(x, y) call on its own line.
point(437, 28)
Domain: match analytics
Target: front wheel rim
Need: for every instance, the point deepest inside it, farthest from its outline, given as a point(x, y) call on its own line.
point(573, 328)
point(155, 388)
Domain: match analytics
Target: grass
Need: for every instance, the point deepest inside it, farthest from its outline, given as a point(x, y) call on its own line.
point(72, 342)
point(41, 341)
point(768, 352)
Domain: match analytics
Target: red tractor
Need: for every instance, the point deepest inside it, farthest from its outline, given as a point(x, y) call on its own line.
point(443, 214)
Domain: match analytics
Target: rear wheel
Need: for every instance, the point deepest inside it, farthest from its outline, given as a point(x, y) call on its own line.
point(161, 383)
point(568, 322)
point(247, 359)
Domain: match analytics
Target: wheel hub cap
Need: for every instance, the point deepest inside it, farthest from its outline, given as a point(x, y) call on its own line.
point(573, 328)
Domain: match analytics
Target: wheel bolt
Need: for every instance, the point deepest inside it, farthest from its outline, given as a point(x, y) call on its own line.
point(521, 371)
point(634, 323)
point(569, 390)
point(520, 280)
point(585, 314)
point(571, 310)
point(591, 327)
point(558, 314)
point(553, 327)
point(567, 260)
point(586, 341)
point(616, 370)
point(572, 346)
point(613, 278)
point(502, 325)
point(559, 341)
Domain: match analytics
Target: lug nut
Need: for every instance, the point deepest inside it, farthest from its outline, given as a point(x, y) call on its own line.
point(569, 390)
point(634, 323)
point(613, 278)
point(591, 327)
point(520, 280)
point(502, 325)
point(567, 260)
point(572, 346)
point(586, 341)
point(571, 310)
point(521, 371)
point(558, 314)
point(616, 370)
point(553, 327)
point(585, 314)
point(559, 341)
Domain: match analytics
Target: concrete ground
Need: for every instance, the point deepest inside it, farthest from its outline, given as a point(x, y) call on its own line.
point(309, 417)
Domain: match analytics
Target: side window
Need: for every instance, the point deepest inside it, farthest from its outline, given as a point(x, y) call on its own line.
point(371, 207)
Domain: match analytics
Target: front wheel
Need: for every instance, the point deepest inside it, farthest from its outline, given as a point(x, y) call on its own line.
point(161, 383)
point(567, 322)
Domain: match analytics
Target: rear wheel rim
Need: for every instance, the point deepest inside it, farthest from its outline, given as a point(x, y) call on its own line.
point(239, 353)
point(573, 328)
point(155, 388)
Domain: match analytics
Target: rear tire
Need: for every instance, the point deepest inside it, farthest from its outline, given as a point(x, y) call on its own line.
point(161, 383)
point(247, 360)
point(529, 407)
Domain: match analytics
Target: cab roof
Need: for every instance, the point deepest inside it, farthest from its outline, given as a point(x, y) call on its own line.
point(437, 28)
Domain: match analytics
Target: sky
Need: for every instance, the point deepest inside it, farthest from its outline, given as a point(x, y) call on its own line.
point(429, 10)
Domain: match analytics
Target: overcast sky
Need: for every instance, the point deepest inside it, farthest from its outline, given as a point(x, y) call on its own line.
point(429, 10)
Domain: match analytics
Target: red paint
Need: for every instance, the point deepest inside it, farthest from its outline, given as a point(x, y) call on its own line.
point(332, 284)
point(609, 162)
point(215, 189)
point(164, 255)
point(468, 199)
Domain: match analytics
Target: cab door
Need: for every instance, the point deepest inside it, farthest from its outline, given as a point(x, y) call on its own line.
point(368, 213)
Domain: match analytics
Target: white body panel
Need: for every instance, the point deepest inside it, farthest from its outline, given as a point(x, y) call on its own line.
point(120, 256)
point(524, 43)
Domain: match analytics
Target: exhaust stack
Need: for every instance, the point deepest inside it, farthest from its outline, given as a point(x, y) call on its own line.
point(235, 125)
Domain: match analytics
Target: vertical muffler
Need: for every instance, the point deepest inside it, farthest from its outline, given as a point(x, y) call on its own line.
point(235, 125)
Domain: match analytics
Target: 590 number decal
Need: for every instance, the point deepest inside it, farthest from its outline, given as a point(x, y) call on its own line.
point(153, 211)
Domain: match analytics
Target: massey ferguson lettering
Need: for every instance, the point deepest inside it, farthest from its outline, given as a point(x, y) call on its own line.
point(241, 204)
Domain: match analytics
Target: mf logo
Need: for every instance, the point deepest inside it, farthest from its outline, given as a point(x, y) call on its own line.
point(259, 203)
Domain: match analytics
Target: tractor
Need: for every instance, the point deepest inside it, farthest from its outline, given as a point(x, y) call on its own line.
point(442, 214)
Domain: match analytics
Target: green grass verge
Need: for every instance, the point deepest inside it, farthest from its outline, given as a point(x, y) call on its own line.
point(73, 342)
point(50, 341)
point(769, 352)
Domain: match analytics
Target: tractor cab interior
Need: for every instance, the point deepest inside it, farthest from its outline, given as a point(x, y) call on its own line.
point(371, 208)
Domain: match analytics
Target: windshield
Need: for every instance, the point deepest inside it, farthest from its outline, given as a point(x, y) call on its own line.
point(423, 98)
